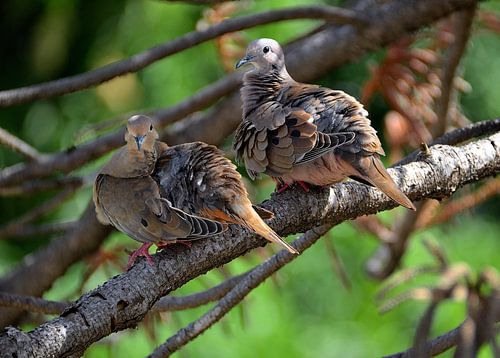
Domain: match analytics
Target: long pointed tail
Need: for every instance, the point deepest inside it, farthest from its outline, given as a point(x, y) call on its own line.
point(373, 171)
point(253, 221)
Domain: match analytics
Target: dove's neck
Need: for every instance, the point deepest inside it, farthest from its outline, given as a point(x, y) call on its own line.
point(262, 87)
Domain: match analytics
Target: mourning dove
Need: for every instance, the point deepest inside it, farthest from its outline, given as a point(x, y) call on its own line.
point(298, 132)
point(160, 194)
point(127, 197)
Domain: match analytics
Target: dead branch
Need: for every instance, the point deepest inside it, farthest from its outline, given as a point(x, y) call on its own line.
point(125, 299)
point(139, 61)
point(251, 280)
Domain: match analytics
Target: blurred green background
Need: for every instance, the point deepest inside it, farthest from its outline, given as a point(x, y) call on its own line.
point(305, 311)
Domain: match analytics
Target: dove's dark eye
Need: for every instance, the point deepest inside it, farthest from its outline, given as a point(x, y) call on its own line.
point(151, 127)
point(266, 49)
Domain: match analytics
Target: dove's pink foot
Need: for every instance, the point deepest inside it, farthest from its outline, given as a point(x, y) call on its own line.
point(304, 186)
point(141, 251)
point(281, 187)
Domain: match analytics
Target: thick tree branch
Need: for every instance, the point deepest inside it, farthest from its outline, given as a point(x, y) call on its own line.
point(141, 60)
point(123, 301)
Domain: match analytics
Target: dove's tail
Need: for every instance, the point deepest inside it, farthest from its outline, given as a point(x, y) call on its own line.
point(250, 218)
point(373, 171)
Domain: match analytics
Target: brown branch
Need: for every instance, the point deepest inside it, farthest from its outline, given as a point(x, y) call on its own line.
point(462, 22)
point(44, 229)
point(177, 303)
point(18, 145)
point(141, 60)
point(11, 228)
point(32, 304)
point(32, 187)
point(125, 299)
point(253, 279)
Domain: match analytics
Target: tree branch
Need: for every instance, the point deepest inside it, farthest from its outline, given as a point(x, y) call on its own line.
point(123, 301)
point(253, 279)
point(18, 145)
point(141, 60)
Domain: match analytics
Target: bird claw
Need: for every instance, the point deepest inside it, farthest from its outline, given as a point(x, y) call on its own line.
point(281, 188)
point(141, 251)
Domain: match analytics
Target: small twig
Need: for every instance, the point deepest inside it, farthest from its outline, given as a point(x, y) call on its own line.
point(44, 229)
point(462, 22)
point(466, 202)
point(35, 186)
point(17, 224)
point(141, 60)
point(254, 278)
point(457, 136)
point(177, 303)
point(32, 304)
point(18, 145)
point(436, 346)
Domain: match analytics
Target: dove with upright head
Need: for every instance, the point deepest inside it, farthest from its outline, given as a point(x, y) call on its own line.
point(305, 133)
point(158, 194)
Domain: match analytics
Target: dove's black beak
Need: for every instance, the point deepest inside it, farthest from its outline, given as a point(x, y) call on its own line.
point(244, 60)
point(139, 140)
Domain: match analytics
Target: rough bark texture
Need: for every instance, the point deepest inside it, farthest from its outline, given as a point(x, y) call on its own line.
point(123, 301)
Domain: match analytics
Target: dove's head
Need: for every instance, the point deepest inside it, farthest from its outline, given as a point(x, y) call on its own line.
point(141, 133)
point(265, 55)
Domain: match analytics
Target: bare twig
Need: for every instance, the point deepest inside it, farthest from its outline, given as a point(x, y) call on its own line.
point(177, 303)
point(141, 60)
point(254, 278)
point(462, 22)
point(16, 225)
point(31, 187)
point(32, 304)
point(44, 229)
point(18, 145)
point(457, 136)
